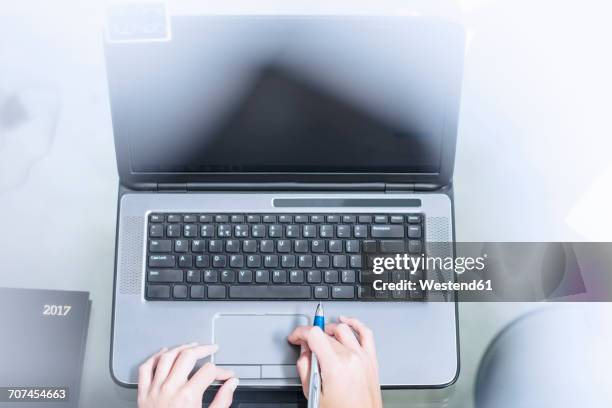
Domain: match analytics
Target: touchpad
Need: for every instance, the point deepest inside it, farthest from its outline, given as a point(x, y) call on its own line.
point(255, 339)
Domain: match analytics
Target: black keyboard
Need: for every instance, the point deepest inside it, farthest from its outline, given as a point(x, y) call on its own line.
point(194, 256)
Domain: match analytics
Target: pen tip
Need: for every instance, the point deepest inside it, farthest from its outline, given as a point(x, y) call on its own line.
point(319, 310)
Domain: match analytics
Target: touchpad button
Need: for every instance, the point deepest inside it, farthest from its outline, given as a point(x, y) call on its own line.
point(255, 339)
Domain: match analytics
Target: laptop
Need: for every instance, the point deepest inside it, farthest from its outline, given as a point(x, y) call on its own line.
point(260, 158)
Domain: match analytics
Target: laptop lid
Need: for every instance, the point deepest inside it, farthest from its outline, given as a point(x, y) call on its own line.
point(299, 99)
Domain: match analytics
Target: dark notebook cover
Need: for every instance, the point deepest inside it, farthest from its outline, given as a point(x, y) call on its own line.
point(42, 344)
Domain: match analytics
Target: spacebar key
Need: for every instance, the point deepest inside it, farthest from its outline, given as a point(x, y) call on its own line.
point(269, 292)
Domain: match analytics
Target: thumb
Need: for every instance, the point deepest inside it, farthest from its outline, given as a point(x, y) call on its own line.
point(303, 368)
point(225, 395)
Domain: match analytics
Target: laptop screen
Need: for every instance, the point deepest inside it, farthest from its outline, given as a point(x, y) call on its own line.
point(292, 94)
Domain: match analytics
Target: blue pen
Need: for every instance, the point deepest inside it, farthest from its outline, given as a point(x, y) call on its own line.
point(314, 391)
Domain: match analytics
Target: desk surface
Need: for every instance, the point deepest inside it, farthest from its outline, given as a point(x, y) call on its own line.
point(58, 193)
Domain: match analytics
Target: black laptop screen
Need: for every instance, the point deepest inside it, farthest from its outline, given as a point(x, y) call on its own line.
point(248, 94)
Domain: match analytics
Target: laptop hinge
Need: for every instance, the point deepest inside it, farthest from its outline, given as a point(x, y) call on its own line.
point(409, 187)
point(285, 186)
point(171, 186)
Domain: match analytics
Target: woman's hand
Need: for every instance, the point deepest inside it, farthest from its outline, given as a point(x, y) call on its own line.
point(163, 380)
point(347, 359)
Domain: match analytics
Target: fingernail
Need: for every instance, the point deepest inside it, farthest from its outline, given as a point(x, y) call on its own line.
point(341, 318)
point(236, 382)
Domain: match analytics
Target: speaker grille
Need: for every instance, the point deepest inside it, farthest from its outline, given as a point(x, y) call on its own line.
point(131, 243)
point(438, 244)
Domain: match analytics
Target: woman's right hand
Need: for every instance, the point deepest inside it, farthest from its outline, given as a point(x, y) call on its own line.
point(347, 360)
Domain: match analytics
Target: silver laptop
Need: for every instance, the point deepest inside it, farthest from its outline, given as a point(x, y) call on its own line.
point(261, 159)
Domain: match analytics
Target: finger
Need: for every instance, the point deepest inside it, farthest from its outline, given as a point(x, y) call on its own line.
point(303, 368)
point(343, 333)
point(366, 338)
point(323, 345)
point(185, 362)
point(145, 373)
point(225, 395)
point(164, 364)
point(205, 376)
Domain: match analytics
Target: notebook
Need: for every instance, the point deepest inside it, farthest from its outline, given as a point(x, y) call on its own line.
point(42, 344)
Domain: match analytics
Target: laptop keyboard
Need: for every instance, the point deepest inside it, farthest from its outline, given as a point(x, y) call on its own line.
point(199, 257)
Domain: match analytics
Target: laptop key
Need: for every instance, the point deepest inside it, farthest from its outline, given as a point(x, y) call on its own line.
point(262, 276)
point(179, 292)
point(395, 246)
point(343, 292)
point(369, 246)
point(343, 231)
point(160, 245)
point(331, 276)
point(194, 276)
point(305, 261)
point(197, 292)
point(279, 276)
point(288, 261)
point(254, 261)
point(249, 246)
point(365, 219)
point(197, 245)
point(158, 291)
point(190, 230)
point(301, 219)
point(269, 292)
point(387, 231)
point(322, 261)
point(156, 231)
point(205, 218)
point(413, 218)
point(245, 276)
point(156, 218)
point(173, 218)
point(216, 292)
point(215, 245)
point(228, 276)
point(219, 261)
point(211, 276)
point(181, 245)
point(162, 261)
point(349, 218)
point(165, 275)
point(269, 219)
point(414, 246)
point(321, 292)
point(185, 261)
point(296, 276)
point(173, 231)
point(347, 276)
point(236, 261)
point(251, 219)
point(414, 231)
point(285, 219)
point(313, 276)
point(339, 261)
